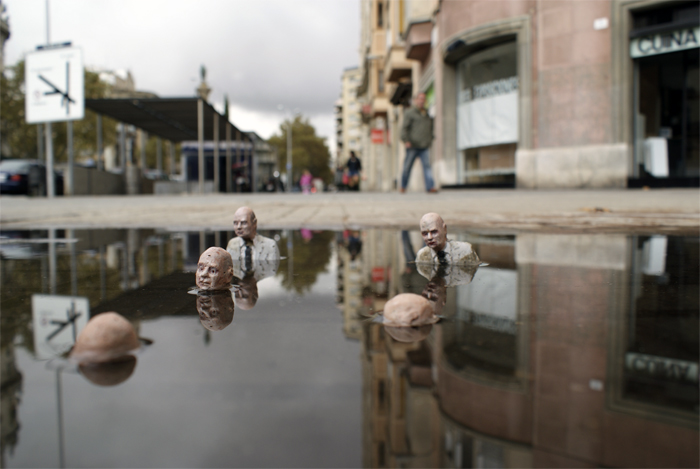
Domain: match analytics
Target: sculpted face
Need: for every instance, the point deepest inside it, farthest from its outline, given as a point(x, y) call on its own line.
point(244, 223)
point(434, 231)
point(214, 270)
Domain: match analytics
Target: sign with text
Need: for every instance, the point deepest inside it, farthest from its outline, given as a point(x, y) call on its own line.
point(377, 136)
point(55, 85)
point(57, 321)
point(662, 43)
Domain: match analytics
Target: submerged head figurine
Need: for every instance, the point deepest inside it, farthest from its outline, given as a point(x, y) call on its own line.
point(440, 250)
point(434, 231)
point(245, 224)
point(214, 270)
point(409, 334)
point(215, 310)
point(409, 309)
point(105, 338)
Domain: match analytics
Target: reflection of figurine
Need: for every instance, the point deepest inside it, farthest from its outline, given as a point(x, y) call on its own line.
point(250, 247)
point(439, 249)
point(215, 309)
point(409, 334)
point(409, 309)
point(435, 292)
point(247, 292)
point(214, 270)
point(103, 349)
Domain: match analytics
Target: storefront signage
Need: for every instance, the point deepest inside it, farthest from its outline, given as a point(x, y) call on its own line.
point(377, 136)
point(661, 367)
point(663, 43)
point(487, 114)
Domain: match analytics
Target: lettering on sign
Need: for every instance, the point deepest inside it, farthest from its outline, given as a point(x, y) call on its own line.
point(661, 367)
point(665, 42)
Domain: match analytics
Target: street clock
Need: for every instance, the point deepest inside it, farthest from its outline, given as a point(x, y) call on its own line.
point(55, 85)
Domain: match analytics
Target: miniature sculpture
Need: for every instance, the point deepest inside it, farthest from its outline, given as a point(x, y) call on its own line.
point(105, 337)
point(214, 270)
point(249, 247)
point(215, 309)
point(409, 309)
point(103, 349)
point(439, 249)
point(450, 275)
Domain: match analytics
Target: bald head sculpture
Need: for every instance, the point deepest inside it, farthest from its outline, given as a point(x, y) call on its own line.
point(245, 224)
point(214, 270)
point(434, 231)
point(408, 309)
point(106, 337)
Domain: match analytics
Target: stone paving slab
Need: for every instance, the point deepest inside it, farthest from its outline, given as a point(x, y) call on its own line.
point(638, 211)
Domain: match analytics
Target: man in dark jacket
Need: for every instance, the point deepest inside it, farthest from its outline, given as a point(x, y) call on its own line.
point(417, 133)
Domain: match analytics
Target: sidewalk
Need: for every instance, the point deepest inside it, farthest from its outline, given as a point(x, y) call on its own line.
point(634, 211)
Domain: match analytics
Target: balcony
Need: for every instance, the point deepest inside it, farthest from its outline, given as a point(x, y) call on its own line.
point(396, 65)
point(418, 40)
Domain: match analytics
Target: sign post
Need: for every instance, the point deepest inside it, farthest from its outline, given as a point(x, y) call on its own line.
point(55, 91)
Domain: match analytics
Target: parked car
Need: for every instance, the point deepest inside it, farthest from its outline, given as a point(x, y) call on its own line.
point(20, 176)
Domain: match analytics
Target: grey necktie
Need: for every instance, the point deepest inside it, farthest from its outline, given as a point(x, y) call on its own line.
point(247, 258)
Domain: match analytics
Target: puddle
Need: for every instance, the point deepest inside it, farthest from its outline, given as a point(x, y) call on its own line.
point(559, 351)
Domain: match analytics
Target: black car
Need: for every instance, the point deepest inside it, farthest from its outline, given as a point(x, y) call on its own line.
point(26, 177)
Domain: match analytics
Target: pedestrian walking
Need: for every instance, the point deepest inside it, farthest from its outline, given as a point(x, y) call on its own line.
point(305, 181)
point(417, 133)
point(354, 166)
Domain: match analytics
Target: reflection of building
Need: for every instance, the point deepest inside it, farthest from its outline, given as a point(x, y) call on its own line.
point(349, 129)
point(565, 351)
point(11, 385)
point(571, 94)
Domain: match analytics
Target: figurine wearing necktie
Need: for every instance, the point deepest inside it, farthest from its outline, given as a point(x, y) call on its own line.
point(439, 249)
point(249, 247)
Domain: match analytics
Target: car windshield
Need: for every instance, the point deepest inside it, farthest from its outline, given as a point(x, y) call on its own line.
point(14, 166)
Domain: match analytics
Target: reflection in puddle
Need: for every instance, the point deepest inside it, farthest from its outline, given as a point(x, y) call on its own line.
point(564, 350)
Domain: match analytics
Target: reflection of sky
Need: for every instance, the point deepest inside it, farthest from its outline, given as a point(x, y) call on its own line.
point(279, 387)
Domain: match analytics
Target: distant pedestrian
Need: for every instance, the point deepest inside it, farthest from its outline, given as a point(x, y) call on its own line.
point(417, 133)
point(306, 181)
point(354, 167)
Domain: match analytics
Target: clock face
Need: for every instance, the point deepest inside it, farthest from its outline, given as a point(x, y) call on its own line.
point(55, 88)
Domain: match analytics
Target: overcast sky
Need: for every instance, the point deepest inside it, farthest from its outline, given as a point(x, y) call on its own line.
point(263, 53)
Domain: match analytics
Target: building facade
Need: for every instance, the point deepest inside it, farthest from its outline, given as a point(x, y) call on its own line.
point(349, 118)
point(534, 93)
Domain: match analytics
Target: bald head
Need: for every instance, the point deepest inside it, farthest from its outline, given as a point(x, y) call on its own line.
point(434, 231)
point(244, 223)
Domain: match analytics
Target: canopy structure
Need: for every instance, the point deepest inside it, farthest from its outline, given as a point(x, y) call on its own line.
point(175, 119)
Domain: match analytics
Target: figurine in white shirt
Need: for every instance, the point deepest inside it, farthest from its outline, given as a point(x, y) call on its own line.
point(249, 247)
point(439, 249)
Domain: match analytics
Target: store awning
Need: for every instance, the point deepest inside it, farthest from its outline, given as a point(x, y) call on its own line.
point(173, 119)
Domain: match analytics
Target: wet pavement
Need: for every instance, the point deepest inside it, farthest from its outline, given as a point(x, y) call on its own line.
point(569, 349)
point(595, 211)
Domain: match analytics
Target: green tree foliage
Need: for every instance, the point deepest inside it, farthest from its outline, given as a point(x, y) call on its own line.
point(20, 139)
point(309, 151)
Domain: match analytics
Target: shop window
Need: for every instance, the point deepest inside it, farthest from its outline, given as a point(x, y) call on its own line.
point(487, 113)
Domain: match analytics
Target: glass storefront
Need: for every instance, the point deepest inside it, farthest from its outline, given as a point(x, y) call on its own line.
point(664, 45)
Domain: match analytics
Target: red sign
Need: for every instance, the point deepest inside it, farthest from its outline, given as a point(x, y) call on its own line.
point(377, 136)
point(378, 274)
